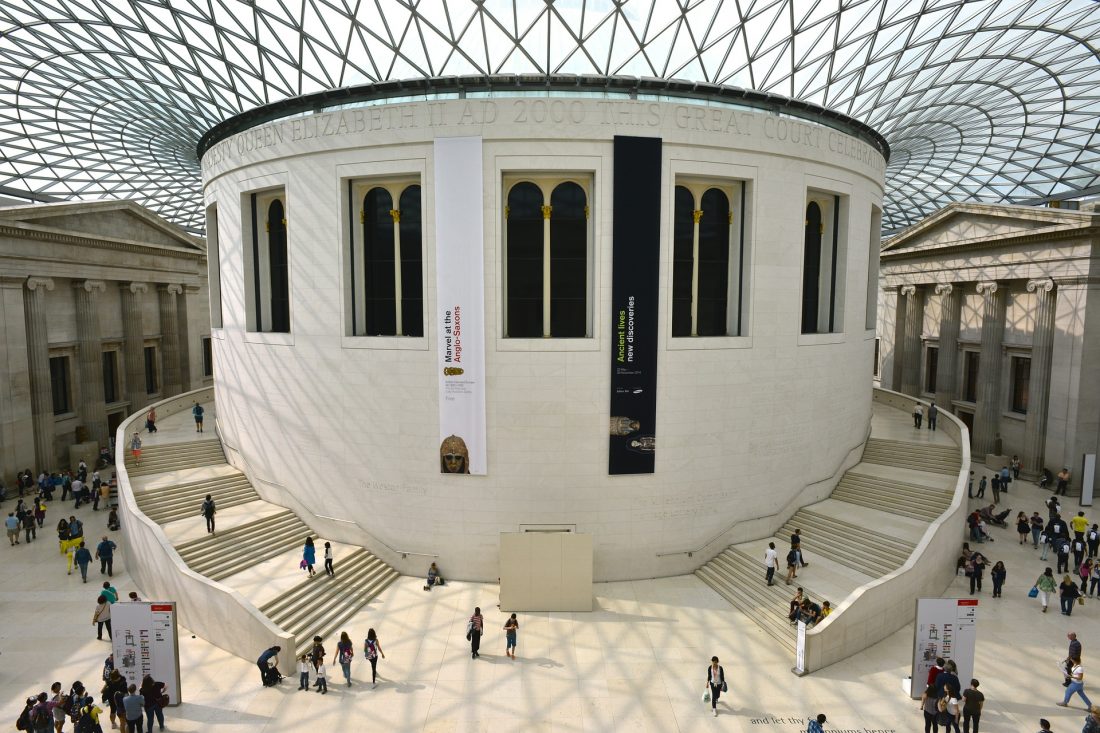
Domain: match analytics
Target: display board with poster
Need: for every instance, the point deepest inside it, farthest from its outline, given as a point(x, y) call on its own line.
point(145, 640)
point(945, 627)
point(460, 305)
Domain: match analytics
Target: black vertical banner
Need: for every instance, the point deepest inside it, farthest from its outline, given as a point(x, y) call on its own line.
point(636, 250)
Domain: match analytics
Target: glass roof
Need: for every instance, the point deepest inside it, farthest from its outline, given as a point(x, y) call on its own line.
point(988, 100)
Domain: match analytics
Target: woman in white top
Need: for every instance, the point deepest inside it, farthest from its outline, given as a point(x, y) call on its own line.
point(716, 683)
point(954, 712)
point(1076, 685)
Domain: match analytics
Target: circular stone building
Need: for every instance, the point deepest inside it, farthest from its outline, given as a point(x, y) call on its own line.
point(453, 308)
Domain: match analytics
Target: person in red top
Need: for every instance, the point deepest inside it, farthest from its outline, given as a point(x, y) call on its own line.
point(936, 669)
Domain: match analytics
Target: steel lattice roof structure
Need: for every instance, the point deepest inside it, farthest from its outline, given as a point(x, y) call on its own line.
point(990, 100)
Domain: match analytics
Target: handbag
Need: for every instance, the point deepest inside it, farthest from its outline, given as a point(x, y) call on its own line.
point(706, 696)
point(162, 701)
point(469, 630)
point(1034, 592)
point(725, 687)
point(1080, 600)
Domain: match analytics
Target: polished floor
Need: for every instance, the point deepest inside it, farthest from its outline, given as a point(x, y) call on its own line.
point(635, 664)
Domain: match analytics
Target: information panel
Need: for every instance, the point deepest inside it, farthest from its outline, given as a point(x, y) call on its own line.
point(146, 642)
point(460, 304)
point(636, 254)
point(945, 627)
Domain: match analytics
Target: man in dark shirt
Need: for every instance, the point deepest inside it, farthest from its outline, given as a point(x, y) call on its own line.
point(947, 678)
point(263, 660)
point(796, 543)
point(972, 706)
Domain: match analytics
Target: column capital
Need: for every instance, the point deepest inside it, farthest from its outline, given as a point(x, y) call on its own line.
point(90, 286)
point(1044, 284)
point(173, 288)
point(987, 287)
point(134, 287)
point(944, 288)
point(33, 283)
point(908, 289)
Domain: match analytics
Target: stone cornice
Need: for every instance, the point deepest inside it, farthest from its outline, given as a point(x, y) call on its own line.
point(119, 245)
point(1035, 236)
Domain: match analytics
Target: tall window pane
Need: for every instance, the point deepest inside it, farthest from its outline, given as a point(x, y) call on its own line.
point(279, 268)
point(932, 360)
point(1021, 383)
point(568, 261)
point(110, 376)
point(714, 264)
point(59, 385)
point(412, 286)
point(970, 376)
point(525, 264)
point(683, 229)
point(378, 266)
point(811, 268)
point(151, 381)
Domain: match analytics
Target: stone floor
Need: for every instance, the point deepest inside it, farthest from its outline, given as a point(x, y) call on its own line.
point(635, 664)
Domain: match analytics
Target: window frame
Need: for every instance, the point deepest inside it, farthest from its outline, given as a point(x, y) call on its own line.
point(118, 392)
point(155, 364)
point(930, 368)
point(255, 240)
point(547, 182)
point(69, 407)
point(207, 344)
point(965, 395)
point(1014, 359)
point(213, 266)
point(736, 191)
point(835, 205)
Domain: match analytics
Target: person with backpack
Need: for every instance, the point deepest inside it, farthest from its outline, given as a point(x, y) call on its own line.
point(156, 697)
point(23, 722)
point(41, 715)
point(197, 413)
point(208, 510)
point(105, 551)
point(88, 722)
point(372, 649)
point(82, 557)
point(114, 690)
point(344, 654)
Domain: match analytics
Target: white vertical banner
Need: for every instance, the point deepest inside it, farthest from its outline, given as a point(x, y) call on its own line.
point(145, 641)
point(460, 304)
point(945, 627)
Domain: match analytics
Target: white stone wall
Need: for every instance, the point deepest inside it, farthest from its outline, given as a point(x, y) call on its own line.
point(348, 427)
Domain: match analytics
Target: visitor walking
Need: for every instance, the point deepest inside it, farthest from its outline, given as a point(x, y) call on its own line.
point(1023, 527)
point(771, 563)
point(792, 564)
point(208, 510)
point(1068, 593)
point(1076, 685)
point(511, 626)
point(372, 649)
point(716, 683)
point(918, 415)
point(1045, 585)
point(473, 632)
point(1036, 528)
point(817, 722)
point(328, 561)
point(981, 488)
point(197, 413)
point(133, 706)
point(135, 448)
point(151, 420)
point(309, 556)
point(105, 552)
point(344, 654)
point(998, 575)
point(102, 617)
point(82, 557)
point(933, 413)
point(928, 706)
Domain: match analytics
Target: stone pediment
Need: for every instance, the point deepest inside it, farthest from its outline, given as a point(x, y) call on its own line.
point(960, 224)
point(109, 220)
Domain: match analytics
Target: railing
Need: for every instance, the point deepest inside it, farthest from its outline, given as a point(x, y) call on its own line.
point(803, 498)
point(879, 608)
point(214, 611)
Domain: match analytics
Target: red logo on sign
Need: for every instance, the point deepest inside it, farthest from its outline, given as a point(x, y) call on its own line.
point(968, 601)
point(166, 607)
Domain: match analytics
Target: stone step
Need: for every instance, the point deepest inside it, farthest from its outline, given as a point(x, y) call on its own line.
point(328, 625)
point(876, 499)
point(782, 631)
point(171, 494)
point(164, 458)
point(842, 529)
point(227, 553)
point(922, 457)
point(225, 499)
point(859, 555)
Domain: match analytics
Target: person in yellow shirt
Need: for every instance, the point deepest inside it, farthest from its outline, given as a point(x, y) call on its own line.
point(1079, 524)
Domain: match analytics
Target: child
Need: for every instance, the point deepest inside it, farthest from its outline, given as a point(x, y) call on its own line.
point(303, 672)
point(1044, 725)
point(320, 684)
point(510, 628)
point(328, 560)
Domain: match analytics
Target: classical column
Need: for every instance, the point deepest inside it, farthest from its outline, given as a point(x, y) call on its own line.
point(988, 415)
point(186, 306)
point(93, 409)
point(170, 344)
point(1042, 345)
point(133, 346)
point(901, 303)
point(38, 360)
point(947, 365)
point(911, 351)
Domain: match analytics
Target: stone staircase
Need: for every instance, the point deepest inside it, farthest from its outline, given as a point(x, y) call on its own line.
point(319, 605)
point(176, 456)
point(867, 528)
point(910, 500)
point(169, 487)
point(917, 456)
point(217, 556)
point(171, 503)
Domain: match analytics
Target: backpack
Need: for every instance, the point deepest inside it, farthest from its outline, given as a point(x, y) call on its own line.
point(346, 654)
point(792, 557)
point(371, 651)
point(23, 722)
point(40, 717)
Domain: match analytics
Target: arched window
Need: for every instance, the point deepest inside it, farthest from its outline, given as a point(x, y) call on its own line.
point(267, 264)
point(824, 258)
point(386, 259)
point(547, 259)
point(708, 259)
point(524, 314)
point(278, 268)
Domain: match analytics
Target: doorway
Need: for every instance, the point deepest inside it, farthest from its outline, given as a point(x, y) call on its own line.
point(967, 419)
